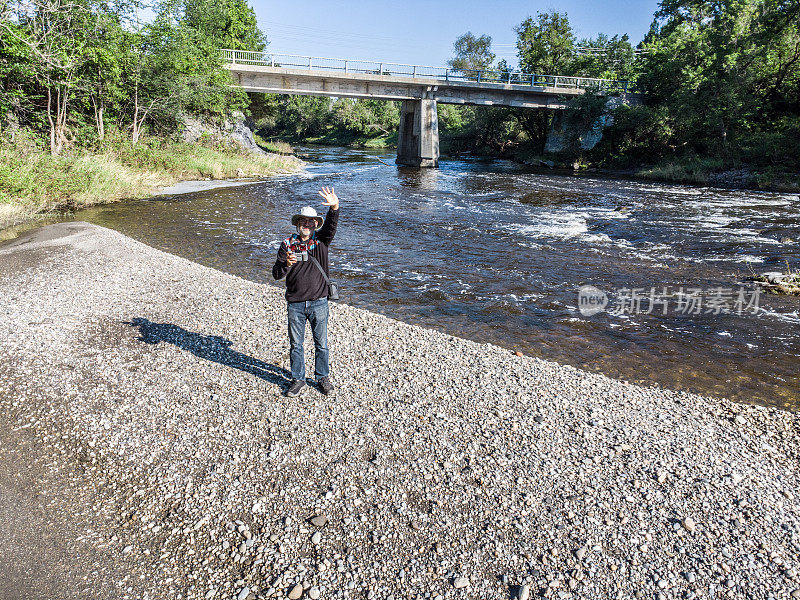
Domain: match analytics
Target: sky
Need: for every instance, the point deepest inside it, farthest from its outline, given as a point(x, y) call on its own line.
point(422, 33)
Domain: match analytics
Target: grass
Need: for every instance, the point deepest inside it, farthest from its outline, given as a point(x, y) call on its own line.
point(788, 284)
point(334, 137)
point(274, 146)
point(33, 183)
point(694, 170)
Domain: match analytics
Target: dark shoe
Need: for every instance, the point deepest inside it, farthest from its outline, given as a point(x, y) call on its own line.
point(295, 387)
point(325, 385)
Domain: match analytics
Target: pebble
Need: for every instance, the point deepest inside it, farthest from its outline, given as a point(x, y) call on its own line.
point(469, 482)
point(524, 592)
point(316, 538)
point(243, 593)
point(319, 520)
point(314, 593)
point(296, 592)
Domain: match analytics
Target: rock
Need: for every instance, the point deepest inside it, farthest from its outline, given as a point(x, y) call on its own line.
point(689, 524)
point(518, 353)
point(237, 131)
point(296, 592)
point(314, 593)
point(774, 277)
point(460, 582)
point(244, 593)
point(316, 538)
point(524, 592)
point(319, 520)
point(581, 552)
point(210, 594)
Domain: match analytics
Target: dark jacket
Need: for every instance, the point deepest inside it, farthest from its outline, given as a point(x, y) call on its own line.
point(303, 280)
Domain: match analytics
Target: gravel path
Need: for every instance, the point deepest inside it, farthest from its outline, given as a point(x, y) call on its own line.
point(149, 453)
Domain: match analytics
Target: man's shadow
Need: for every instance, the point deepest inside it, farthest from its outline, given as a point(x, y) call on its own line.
point(209, 347)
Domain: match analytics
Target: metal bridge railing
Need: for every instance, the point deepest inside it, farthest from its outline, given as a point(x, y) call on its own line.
point(267, 59)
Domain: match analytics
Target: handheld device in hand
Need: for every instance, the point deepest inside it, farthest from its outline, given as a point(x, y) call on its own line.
point(300, 255)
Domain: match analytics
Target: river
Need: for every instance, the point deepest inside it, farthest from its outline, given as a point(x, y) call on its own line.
point(495, 252)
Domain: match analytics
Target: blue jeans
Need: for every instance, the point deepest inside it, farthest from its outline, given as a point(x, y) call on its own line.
point(316, 313)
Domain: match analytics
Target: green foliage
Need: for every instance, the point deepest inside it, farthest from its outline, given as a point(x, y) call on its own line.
point(33, 181)
point(606, 58)
point(639, 135)
point(73, 68)
point(343, 119)
point(451, 118)
point(546, 44)
point(228, 24)
point(472, 53)
point(584, 111)
point(727, 74)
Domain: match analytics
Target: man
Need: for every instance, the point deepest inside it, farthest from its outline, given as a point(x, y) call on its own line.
point(307, 290)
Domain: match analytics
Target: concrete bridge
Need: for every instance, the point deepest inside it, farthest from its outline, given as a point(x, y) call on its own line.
point(419, 89)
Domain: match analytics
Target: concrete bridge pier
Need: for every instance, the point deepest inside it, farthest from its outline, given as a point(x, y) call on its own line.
point(418, 140)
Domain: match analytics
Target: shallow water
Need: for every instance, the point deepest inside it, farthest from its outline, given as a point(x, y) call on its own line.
point(497, 253)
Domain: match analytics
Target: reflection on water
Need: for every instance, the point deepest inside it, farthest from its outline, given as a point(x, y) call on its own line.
point(492, 252)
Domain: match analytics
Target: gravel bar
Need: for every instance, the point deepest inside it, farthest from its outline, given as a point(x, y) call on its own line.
point(147, 451)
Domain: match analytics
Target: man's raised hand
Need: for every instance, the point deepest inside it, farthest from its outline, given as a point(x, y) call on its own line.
point(331, 199)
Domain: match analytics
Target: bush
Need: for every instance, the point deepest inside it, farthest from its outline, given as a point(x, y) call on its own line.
point(637, 135)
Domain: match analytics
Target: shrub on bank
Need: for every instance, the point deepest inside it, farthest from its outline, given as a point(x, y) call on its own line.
point(34, 182)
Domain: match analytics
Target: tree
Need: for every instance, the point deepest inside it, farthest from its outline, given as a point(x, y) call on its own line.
point(546, 44)
point(726, 70)
point(228, 24)
point(606, 57)
point(472, 53)
point(54, 32)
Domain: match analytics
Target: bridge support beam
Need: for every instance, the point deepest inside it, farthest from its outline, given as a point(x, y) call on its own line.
point(418, 140)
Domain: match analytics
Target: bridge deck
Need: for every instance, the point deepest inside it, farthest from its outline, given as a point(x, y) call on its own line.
point(258, 78)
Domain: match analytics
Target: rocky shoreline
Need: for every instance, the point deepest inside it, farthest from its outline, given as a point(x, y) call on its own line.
point(148, 452)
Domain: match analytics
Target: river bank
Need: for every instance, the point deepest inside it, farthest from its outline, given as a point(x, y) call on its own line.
point(33, 183)
point(151, 388)
point(690, 170)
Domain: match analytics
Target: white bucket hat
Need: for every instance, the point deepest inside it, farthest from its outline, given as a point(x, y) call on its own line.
point(307, 212)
